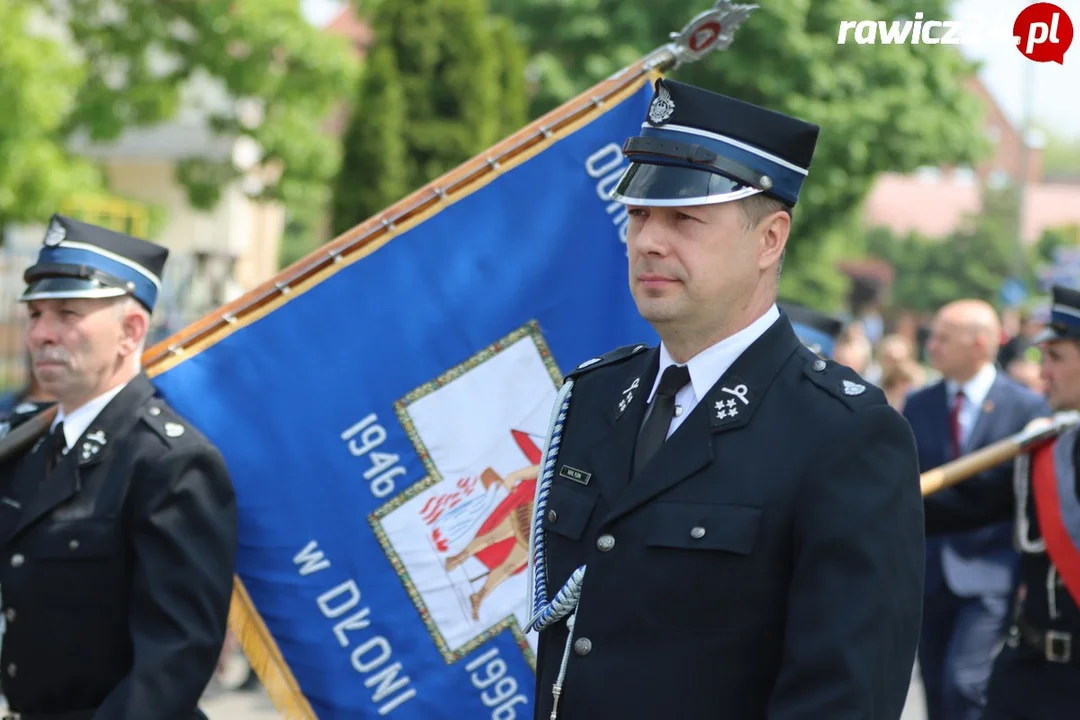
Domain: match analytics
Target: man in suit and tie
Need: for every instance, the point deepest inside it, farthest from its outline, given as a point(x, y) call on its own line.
point(968, 575)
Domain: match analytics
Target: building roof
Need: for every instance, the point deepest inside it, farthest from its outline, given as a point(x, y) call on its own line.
point(937, 207)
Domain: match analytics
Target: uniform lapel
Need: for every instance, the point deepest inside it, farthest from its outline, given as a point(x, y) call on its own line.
point(984, 418)
point(65, 480)
point(940, 413)
point(614, 451)
point(21, 486)
point(728, 406)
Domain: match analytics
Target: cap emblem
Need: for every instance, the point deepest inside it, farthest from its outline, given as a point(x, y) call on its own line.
point(55, 235)
point(662, 106)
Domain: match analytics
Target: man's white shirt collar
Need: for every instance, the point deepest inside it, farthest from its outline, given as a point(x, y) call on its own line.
point(710, 364)
point(79, 421)
point(977, 388)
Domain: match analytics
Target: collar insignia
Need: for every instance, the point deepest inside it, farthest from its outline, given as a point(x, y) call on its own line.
point(89, 451)
point(628, 395)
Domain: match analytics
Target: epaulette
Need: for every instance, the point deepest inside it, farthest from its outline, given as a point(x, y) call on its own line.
point(163, 420)
point(840, 381)
point(609, 358)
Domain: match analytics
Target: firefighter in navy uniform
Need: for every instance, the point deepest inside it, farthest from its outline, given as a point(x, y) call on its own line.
point(727, 525)
point(118, 526)
point(1036, 675)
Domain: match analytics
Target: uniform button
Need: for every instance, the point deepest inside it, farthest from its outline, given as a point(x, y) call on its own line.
point(10, 614)
point(697, 533)
point(73, 545)
point(819, 365)
point(552, 516)
point(155, 411)
point(605, 542)
point(17, 560)
point(11, 669)
point(583, 646)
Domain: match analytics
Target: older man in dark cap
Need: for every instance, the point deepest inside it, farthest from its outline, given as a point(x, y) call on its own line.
point(118, 527)
point(727, 525)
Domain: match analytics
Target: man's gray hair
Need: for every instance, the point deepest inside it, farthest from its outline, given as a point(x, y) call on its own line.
point(125, 304)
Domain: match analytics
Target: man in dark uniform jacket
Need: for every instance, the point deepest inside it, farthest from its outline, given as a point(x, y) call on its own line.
point(728, 525)
point(1036, 675)
point(118, 527)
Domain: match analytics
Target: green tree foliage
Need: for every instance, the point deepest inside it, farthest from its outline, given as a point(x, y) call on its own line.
point(880, 107)
point(514, 100)
point(449, 80)
point(1061, 156)
point(973, 262)
point(273, 77)
point(1052, 239)
point(374, 171)
point(39, 81)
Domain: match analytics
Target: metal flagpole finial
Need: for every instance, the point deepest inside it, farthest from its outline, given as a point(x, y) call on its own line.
point(711, 30)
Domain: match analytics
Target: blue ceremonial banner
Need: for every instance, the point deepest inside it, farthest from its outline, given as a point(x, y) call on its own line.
point(383, 423)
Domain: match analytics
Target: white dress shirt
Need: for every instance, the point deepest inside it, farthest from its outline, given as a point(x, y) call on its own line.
point(970, 576)
point(709, 365)
point(79, 420)
point(975, 391)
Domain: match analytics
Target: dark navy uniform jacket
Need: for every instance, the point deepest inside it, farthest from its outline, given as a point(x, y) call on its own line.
point(116, 569)
point(765, 564)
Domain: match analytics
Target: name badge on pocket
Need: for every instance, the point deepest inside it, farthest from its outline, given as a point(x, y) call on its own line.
point(578, 476)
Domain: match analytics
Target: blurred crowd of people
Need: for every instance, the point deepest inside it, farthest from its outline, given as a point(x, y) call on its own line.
point(897, 356)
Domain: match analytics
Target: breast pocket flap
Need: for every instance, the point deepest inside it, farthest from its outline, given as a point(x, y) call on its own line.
point(689, 526)
point(568, 511)
point(79, 539)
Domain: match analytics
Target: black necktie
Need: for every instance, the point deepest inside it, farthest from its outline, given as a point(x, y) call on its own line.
point(658, 418)
point(55, 447)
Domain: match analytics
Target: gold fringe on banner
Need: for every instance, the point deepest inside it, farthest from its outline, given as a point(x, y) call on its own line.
point(266, 661)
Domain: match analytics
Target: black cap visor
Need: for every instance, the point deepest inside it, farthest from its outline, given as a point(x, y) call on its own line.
point(61, 287)
point(657, 185)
